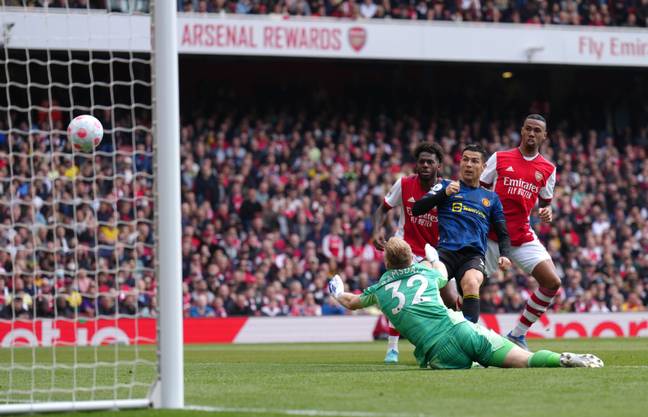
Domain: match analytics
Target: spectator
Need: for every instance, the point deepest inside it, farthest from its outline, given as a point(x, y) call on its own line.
point(368, 9)
point(633, 303)
point(240, 307)
point(332, 308)
point(244, 7)
point(310, 307)
point(250, 208)
point(271, 309)
point(15, 308)
point(201, 308)
point(333, 244)
point(219, 307)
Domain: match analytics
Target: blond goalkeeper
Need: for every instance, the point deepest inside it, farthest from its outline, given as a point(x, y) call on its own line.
point(408, 294)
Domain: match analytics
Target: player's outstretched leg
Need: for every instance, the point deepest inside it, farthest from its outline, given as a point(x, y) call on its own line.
point(548, 359)
point(392, 346)
point(538, 303)
point(512, 356)
point(491, 349)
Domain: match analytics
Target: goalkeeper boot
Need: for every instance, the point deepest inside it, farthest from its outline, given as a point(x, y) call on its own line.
point(391, 356)
point(575, 360)
point(518, 340)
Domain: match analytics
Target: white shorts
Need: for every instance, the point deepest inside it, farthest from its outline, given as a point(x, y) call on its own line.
point(526, 256)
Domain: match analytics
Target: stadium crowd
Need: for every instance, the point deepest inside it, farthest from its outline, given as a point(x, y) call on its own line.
point(274, 204)
point(295, 196)
point(539, 12)
point(75, 232)
point(630, 13)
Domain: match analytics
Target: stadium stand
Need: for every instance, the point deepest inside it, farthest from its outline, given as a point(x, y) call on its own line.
point(629, 13)
point(278, 224)
point(275, 202)
point(593, 13)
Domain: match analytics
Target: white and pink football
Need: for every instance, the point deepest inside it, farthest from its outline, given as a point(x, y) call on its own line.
point(85, 133)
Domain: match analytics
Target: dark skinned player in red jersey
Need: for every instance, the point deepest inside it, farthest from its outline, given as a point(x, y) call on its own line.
point(521, 177)
point(417, 231)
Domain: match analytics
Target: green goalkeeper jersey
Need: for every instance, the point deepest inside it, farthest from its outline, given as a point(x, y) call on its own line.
point(411, 301)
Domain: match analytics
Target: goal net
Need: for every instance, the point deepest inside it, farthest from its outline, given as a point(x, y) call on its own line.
point(78, 235)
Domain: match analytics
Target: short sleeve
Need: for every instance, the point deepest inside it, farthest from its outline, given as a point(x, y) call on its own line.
point(394, 196)
point(490, 172)
point(497, 212)
point(547, 192)
point(368, 297)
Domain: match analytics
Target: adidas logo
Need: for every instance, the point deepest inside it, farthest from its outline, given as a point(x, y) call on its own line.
point(411, 200)
point(509, 169)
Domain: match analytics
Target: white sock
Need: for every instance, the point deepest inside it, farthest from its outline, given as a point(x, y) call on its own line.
point(393, 342)
point(520, 329)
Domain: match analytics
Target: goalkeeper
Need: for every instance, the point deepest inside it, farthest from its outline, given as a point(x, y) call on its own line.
point(408, 294)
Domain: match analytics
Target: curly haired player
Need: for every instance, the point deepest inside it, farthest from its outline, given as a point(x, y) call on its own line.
point(417, 231)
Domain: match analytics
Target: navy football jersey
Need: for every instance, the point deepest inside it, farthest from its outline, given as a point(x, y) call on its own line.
point(465, 217)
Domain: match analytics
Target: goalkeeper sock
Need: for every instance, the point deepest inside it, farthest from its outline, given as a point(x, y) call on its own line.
point(393, 337)
point(470, 308)
point(392, 343)
point(544, 359)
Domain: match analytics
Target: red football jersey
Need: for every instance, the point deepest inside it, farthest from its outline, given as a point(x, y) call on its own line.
point(519, 181)
point(416, 230)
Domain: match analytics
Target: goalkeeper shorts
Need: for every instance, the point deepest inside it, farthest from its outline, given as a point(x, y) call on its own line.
point(466, 343)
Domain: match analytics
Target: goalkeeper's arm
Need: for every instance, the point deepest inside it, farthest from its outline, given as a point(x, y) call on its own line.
point(356, 302)
point(346, 299)
point(350, 301)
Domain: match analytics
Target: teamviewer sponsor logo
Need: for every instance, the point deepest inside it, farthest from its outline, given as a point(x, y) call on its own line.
point(357, 38)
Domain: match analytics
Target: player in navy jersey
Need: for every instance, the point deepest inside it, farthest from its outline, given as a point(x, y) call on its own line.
point(466, 212)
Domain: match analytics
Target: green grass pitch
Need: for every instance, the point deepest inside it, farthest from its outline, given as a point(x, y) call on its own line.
point(351, 380)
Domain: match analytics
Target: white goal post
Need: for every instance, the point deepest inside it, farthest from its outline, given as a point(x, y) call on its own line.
point(90, 243)
point(167, 127)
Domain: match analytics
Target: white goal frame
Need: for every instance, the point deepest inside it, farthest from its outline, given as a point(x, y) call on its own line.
point(168, 390)
point(166, 105)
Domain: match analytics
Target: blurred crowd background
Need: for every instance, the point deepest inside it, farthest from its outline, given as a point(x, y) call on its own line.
point(276, 203)
point(284, 163)
point(539, 12)
point(630, 13)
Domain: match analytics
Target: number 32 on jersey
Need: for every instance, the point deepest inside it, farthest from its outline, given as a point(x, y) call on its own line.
point(418, 295)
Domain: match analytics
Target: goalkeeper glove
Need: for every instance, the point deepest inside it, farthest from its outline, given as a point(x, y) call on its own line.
point(336, 286)
point(431, 253)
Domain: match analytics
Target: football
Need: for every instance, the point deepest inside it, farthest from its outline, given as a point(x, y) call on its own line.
point(85, 133)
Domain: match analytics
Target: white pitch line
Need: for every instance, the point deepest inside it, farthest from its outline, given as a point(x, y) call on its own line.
point(315, 413)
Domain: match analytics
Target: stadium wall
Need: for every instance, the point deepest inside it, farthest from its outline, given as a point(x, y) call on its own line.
point(214, 34)
point(47, 332)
